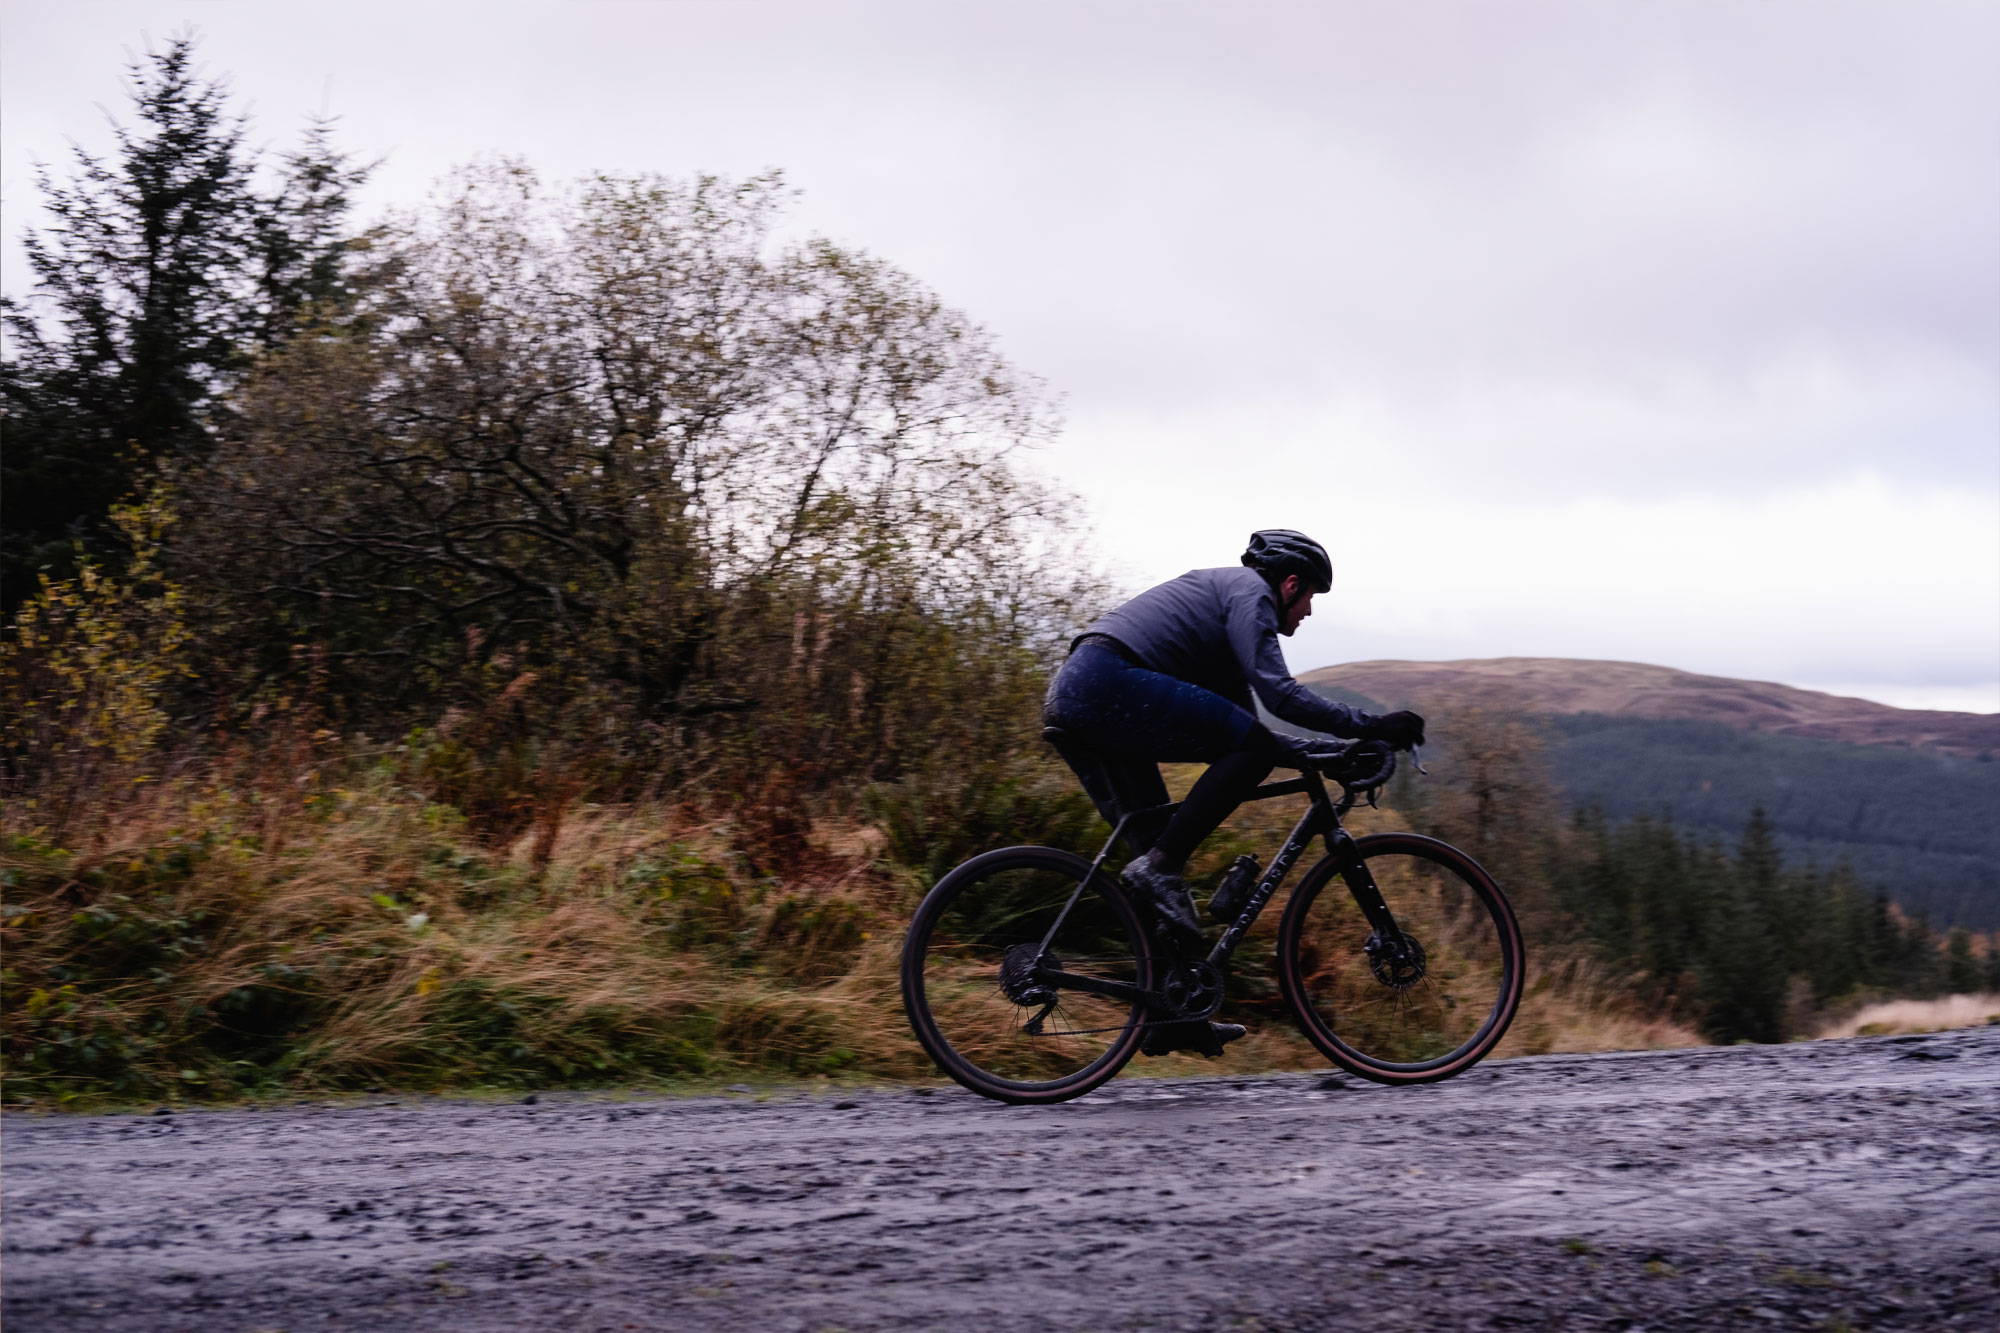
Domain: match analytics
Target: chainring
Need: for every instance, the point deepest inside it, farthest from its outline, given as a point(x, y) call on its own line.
point(1193, 989)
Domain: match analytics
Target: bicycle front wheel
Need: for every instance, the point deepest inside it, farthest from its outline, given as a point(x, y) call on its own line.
point(1420, 1003)
point(975, 975)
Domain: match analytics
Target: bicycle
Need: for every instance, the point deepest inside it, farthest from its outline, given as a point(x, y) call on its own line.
point(1029, 976)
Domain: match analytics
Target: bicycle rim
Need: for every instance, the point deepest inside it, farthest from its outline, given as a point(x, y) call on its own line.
point(1414, 1009)
point(1004, 903)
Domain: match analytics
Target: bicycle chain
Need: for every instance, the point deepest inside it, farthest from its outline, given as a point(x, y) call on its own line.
point(1214, 979)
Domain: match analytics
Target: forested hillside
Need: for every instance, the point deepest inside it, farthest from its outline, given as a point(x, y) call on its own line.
point(1564, 686)
point(1925, 827)
point(1917, 823)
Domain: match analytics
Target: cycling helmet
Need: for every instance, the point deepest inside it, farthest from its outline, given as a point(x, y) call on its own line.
point(1281, 551)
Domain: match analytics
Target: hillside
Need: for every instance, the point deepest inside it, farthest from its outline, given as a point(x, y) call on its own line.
point(1906, 797)
point(1558, 686)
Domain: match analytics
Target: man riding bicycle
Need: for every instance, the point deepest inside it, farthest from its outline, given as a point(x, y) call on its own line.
point(1170, 677)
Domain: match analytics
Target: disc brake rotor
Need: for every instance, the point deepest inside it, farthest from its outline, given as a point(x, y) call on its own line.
point(1399, 963)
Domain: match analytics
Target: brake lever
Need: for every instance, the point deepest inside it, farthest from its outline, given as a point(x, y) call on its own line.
point(1417, 760)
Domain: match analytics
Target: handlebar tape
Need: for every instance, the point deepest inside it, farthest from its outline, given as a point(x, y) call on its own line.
point(1362, 765)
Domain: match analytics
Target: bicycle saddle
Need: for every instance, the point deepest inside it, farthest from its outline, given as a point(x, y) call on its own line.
point(1069, 747)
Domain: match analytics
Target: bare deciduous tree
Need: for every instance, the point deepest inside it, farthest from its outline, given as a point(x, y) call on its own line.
point(626, 440)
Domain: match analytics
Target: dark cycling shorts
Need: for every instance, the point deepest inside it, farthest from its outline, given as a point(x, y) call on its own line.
point(1121, 709)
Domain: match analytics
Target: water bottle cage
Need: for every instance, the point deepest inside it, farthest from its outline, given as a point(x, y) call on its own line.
point(1236, 884)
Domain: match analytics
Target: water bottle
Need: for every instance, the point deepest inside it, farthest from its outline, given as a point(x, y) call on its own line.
point(1234, 888)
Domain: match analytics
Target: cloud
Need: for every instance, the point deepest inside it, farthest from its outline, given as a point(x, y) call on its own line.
point(1864, 580)
point(1666, 331)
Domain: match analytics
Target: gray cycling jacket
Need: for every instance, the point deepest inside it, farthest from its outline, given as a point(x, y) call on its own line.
point(1218, 628)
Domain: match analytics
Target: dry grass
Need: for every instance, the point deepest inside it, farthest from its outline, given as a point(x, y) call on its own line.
point(197, 941)
point(277, 929)
point(1952, 1011)
point(1573, 1005)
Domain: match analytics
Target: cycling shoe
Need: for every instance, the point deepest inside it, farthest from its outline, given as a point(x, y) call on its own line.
point(1202, 1038)
point(1167, 895)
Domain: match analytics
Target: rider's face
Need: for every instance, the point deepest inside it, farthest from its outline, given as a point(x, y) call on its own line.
point(1295, 603)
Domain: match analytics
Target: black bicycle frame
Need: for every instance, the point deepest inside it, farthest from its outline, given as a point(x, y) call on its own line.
point(1322, 818)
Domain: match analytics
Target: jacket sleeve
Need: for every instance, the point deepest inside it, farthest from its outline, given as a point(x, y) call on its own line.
point(1253, 637)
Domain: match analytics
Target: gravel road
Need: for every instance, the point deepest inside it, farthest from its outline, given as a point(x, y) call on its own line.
point(1832, 1185)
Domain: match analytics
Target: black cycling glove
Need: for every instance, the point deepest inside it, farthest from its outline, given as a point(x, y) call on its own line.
point(1401, 729)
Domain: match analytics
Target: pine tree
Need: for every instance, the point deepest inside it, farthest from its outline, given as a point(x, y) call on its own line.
point(1836, 960)
point(1882, 940)
point(160, 272)
point(1758, 863)
point(1961, 969)
point(1588, 889)
point(1670, 891)
point(301, 235)
point(1920, 964)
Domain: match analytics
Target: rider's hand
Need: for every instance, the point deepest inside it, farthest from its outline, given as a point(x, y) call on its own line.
point(1401, 729)
point(1318, 754)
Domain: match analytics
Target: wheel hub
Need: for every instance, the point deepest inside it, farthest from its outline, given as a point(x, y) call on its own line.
point(1398, 963)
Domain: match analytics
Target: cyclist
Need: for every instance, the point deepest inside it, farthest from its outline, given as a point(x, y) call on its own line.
point(1170, 677)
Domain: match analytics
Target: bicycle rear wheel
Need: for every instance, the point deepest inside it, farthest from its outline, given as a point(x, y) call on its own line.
point(1424, 1005)
point(970, 975)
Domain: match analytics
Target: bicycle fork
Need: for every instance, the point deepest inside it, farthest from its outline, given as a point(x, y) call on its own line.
point(1361, 883)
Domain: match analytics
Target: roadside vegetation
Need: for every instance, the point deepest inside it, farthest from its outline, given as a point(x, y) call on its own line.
point(554, 636)
point(302, 918)
point(1893, 1016)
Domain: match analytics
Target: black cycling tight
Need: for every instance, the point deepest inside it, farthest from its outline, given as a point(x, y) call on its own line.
point(1131, 718)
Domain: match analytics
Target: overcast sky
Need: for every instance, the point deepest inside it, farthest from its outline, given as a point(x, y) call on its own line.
point(1662, 331)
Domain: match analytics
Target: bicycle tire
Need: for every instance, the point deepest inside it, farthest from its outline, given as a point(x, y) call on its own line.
point(952, 986)
point(1420, 1011)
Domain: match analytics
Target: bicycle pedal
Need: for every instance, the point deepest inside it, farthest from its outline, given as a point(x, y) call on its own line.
point(1192, 1036)
point(1175, 948)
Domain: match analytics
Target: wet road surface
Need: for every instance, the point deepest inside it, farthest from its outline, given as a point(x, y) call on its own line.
point(1832, 1185)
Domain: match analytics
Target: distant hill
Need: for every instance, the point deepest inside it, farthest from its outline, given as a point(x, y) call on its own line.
point(1909, 798)
point(1561, 685)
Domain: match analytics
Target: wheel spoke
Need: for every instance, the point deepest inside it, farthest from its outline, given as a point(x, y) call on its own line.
point(973, 985)
point(1423, 1005)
